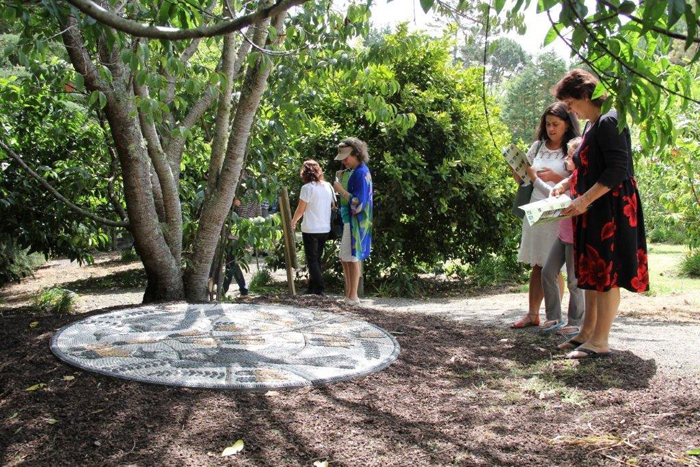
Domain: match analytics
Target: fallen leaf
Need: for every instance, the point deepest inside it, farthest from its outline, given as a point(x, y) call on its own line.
point(97, 443)
point(68, 378)
point(36, 387)
point(231, 450)
point(693, 452)
point(272, 393)
point(52, 421)
point(34, 324)
point(321, 464)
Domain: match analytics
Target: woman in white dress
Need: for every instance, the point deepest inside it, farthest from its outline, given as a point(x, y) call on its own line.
point(547, 156)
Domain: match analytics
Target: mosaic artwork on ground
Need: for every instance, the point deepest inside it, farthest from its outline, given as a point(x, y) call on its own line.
point(236, 346)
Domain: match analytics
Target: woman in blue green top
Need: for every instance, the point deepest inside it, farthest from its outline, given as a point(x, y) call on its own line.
point(354, 185)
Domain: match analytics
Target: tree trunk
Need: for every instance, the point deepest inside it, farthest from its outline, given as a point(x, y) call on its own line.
point(162, 269)
point(215, 211)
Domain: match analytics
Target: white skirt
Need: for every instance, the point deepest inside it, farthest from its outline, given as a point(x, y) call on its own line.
point(536, 242)
point(346, 246)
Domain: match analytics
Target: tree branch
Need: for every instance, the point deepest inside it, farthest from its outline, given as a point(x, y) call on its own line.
point(58, 195)
point(135, 28)
point(624, 64)
point(113, 168)
point(636, 19)
point(79, 56)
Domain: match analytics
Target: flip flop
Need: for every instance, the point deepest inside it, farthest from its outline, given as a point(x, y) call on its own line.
point(526, 322)
point(591, 354)
point(552, 328)
point(573, 342)
point(562, 332)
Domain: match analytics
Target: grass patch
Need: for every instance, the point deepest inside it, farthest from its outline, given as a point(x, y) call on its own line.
point(55, 300)
point(665, 270)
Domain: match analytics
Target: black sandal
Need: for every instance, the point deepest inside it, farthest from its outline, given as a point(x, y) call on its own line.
point(573, 342)
point(590, 354)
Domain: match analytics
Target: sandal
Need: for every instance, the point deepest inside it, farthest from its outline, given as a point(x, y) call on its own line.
point(525, 322)
point(571, 342)
point(547, 329)
point(568, 330)
point(588, 353)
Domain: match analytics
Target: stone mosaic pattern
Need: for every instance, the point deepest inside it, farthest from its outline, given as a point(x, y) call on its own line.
point(234, 346)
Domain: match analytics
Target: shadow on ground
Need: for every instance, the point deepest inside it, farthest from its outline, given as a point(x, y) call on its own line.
point(458, 394)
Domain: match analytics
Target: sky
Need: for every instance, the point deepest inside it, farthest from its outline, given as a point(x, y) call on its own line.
point(391, 13)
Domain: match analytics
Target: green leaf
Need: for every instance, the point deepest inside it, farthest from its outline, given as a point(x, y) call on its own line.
point(103, 99)
point(235, 449)
point(79, 82)
point(544, 5)
point(499, 5)
point(551, 36)
point(693, 452)
point(598, 91)
point(676, 8)
point(36, 387)
point(426, 5)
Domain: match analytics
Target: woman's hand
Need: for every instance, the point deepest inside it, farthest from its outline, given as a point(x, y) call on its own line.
point(560, 188)
point(338, 187)
point(532, 173)
point(578, 207)
point(548, 175)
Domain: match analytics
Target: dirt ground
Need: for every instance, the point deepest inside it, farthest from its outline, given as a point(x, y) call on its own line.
point(463, 392)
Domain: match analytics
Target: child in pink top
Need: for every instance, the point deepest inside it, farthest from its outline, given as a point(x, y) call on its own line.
point(563, 252)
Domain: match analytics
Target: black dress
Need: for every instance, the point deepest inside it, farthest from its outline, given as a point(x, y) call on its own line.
point(609, 239)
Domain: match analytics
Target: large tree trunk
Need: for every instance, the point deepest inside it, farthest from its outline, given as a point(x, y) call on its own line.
point(218, 205)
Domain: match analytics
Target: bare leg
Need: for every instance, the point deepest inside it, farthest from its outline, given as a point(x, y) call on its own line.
point(590, 319)
point(354, 279)
point(608, 304)
point(346, 276)
point(535, 293)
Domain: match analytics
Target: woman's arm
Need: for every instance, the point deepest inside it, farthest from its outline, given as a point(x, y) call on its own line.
point(561, 187)
point(301, 208)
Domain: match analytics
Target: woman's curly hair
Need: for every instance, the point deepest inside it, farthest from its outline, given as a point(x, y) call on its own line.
point(311, 171)
point(359, 148)
point(578, 84)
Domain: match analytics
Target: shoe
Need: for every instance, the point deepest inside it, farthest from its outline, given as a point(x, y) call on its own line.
point(588, 353)
point(552, 327)
point(571, 344)
point(526, 321)
point(568, 330)
point(244, 292)
point(352, 302)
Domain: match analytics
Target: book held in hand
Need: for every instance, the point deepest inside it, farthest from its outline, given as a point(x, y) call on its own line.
point(517, 161)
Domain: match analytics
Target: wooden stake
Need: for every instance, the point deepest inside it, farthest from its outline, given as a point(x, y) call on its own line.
point(290, 252)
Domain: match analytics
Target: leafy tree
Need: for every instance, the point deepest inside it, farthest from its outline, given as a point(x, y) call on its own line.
point(529, 93)
point(164, 75)
point(441, 190)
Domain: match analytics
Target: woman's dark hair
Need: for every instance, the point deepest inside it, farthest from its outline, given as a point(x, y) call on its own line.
point(558, 109)
point(359, 148)
point(578, 84)
point(311, 171)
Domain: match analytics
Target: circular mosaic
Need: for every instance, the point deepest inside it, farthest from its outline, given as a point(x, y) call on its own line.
point(225, 345)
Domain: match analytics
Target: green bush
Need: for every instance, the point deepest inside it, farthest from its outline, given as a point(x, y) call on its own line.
point(55, 301)
point(691, 264)
point(129, 256)
point(261, 279)
point(15, 262)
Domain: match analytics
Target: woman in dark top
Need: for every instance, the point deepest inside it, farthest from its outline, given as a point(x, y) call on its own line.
point(609, 239)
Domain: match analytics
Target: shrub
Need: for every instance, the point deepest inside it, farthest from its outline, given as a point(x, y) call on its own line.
point(691, 264)
point(129, 256)
point(15, 262)
point(262, 278)
point(55, 301)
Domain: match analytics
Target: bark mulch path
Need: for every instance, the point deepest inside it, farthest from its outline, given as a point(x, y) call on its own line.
point(458, 395)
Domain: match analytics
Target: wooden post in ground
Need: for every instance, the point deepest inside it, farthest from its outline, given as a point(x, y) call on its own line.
point(290, 252)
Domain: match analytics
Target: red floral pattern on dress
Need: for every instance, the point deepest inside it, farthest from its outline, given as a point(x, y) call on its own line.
point(594, 270)
point(583, 158)
point(572, 182)
point(630, 209)
point(641, 282)
point(608, 230)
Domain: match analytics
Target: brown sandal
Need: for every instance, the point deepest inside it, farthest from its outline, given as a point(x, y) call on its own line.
point(526, 322)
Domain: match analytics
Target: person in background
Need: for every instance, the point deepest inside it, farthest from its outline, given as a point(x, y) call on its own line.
point(546, 156)
point(562, 252)
point(354, 185)
point(247, 209)
point(610, 248)
point(315, 201)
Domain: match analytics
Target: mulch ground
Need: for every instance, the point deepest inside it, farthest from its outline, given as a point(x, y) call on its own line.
point(457, 395)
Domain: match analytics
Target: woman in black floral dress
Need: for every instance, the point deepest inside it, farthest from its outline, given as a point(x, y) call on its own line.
point(609, 239)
